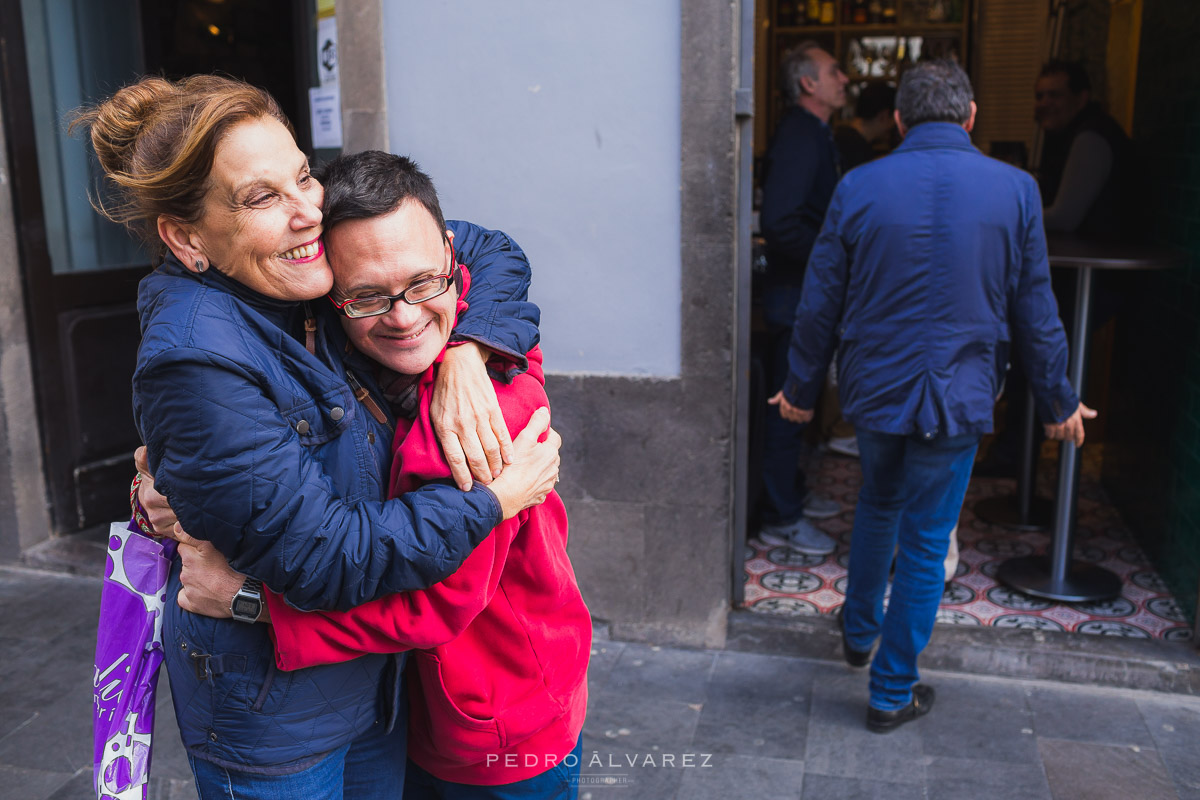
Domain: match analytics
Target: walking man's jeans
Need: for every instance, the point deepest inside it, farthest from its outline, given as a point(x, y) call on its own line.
point(783, 481)
point(912, 493)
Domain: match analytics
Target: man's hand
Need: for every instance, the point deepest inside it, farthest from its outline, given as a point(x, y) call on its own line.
point(534, 470)
point(158, 510)
point(789, 411)
point(467, 417)
point(209, 583)
point(1071, 428)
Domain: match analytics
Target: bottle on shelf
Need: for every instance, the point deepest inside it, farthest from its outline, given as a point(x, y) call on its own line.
point(860, 12)
point(889, 12)
point(785, 14)
point(812, 12)
point(875, 11)
point(828, 12)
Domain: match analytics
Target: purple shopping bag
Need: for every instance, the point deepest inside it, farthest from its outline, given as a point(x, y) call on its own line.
point(128, 655)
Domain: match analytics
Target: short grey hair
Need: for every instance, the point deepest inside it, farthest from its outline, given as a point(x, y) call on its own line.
point(798, 63)
point(934, 91)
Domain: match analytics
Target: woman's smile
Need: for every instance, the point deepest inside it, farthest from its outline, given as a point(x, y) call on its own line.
point(309, 251)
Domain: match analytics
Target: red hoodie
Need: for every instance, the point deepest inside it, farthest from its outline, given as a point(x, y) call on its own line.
point(499, 690)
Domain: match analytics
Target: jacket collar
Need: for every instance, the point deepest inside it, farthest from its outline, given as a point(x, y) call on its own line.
point(803, 113)
point(936, 134)
point(281, 312)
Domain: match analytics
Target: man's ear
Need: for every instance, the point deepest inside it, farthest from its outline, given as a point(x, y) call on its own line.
point(182, 240)
point(970, 123)
point(900, 125)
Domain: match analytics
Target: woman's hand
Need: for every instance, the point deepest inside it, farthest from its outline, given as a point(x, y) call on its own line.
point(467, 418)
point(209, 583)
point(534, 469)
point(158, 510)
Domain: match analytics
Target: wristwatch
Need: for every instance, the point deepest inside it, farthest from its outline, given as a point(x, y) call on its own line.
point(247, 604)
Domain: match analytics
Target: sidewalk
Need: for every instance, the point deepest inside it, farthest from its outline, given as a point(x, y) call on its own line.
point(667, 723)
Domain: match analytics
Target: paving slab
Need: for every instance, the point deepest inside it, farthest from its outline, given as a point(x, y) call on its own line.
point(734, 776)
point(1085, 771)
point(980, 779)
point(1068, 714)
point(673, 724)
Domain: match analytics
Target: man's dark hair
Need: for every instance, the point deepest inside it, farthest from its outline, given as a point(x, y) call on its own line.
point(1077, 75)
point(798, 63)
point(873, 98)
point(373, 183)
point(934, 91)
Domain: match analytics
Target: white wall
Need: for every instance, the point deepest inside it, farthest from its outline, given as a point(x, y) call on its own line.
point(559, 123)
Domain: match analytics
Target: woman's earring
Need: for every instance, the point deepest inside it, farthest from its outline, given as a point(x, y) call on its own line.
point(200, 265)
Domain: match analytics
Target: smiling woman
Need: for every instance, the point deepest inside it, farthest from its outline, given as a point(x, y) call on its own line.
point(262, 427)
point(261, 218)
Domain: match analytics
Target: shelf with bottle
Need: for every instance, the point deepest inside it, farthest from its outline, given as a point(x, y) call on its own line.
point(867, 14)
point(805, 13)
point(886, 57)
point(917, 12)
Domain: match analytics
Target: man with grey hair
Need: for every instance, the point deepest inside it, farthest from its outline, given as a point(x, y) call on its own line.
point(801, 171)
point(927, 259)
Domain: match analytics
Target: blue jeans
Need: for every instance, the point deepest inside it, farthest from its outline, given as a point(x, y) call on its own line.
point(783, 480)
point(560, 782)
point(912, 493)
point(369, 768)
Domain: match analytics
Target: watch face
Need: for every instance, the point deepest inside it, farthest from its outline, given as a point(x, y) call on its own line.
point(245, 607)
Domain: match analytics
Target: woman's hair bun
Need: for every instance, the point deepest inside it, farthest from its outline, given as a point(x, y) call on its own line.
point(156, 139)
point(115, 124)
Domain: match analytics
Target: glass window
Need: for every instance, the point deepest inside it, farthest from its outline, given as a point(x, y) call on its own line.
point(78, 51)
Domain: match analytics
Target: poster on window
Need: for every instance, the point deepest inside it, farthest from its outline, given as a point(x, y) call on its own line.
point(325, 106)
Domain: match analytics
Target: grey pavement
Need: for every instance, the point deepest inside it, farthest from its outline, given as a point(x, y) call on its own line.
point(669, 723)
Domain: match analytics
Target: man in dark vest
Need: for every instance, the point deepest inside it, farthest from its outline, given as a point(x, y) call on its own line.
point(1085, 182)
point(1084, 172)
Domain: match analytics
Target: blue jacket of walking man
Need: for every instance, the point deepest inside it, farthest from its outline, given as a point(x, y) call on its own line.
point(930, 264)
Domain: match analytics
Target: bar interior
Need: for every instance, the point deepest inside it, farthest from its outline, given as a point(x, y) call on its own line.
point(1104, 539)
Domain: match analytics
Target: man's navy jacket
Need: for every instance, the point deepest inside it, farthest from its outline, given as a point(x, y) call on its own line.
point(930, 261)
point(801, 171)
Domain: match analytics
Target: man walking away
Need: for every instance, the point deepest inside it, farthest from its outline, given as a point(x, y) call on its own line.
point(927, 259)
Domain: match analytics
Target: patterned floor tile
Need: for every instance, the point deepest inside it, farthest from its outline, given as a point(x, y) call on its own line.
point(781, 581)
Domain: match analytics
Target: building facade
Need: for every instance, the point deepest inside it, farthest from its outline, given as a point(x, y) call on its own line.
point(604, 138)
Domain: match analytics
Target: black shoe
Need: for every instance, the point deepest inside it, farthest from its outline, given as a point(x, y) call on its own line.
point(887, 721)
point(855, 658)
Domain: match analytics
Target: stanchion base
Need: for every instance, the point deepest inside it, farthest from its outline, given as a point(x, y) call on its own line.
point(1083, 582)
point(1005, 510)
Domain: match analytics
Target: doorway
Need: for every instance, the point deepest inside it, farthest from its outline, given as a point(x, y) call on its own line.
point(81, 272)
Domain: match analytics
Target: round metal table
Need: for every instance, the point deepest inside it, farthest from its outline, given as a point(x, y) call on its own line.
point(1056, 576)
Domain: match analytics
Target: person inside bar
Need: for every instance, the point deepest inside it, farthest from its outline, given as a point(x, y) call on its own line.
point(1085, 181)
point(1084, 170)
point(859, 139)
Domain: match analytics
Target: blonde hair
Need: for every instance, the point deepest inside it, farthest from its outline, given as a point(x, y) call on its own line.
point(156, 140)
